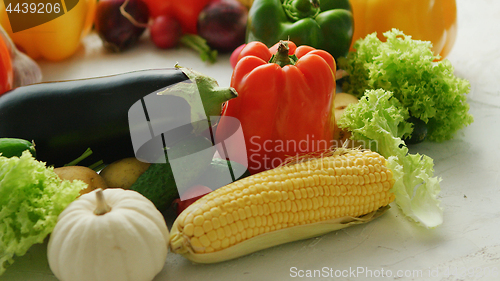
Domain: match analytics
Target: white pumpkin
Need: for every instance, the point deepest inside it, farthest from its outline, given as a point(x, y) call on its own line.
point(112, 234)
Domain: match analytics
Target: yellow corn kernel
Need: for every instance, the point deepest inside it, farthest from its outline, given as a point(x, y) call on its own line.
point(352, 186)
point(198, 231)
point(216, 223)
point(207, 225)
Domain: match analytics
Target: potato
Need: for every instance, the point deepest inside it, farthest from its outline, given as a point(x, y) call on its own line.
point(342, 100)
point(123, 173)
point(85, 174)
point(342, 137)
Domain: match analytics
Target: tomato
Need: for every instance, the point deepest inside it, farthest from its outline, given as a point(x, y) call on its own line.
point(186, 11)
point(192, 194)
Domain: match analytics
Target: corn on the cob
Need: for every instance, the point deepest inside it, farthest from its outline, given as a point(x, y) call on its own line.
point(289, 203)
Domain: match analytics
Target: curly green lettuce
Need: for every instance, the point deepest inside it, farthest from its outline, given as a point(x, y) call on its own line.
point(424, 85)
point(31, 198)
point(378, 122)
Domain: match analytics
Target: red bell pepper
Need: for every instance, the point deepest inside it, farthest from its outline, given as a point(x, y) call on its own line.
point(6, 70)
point(284, 104)
point(185, 12)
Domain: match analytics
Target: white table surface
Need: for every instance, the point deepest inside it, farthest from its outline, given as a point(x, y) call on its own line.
point(467, 243)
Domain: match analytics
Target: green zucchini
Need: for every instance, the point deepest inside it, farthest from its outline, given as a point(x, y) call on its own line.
point(10, 147)
point(66, 118)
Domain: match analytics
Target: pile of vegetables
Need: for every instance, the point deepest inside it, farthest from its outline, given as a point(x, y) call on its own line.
point(206, 26)
point(33, 195)
point(234, 193)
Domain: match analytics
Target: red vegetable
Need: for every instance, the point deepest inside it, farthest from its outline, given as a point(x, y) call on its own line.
point(284, 104)
point(223, 24)
point(120, 30)
point(191, 195)
point(184, 11)
point(165, 32)
point(6, 70)
point(235, 54)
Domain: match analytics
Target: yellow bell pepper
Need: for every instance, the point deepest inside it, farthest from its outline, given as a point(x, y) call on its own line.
point(429, 20)
point(57, 39)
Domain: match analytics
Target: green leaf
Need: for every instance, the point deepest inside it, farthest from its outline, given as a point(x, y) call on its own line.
point(424, 85)
point(31, 198)
point(377, 121)
point(200, 45)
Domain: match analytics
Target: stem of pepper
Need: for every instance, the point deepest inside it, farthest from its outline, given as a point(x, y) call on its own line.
point(281, 57)
point(299, 9)
point(315, 3)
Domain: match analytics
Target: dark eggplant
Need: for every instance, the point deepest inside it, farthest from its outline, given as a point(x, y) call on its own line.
point(65, 118)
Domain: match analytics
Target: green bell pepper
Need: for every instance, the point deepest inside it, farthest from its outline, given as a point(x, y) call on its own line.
point(326, 25)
